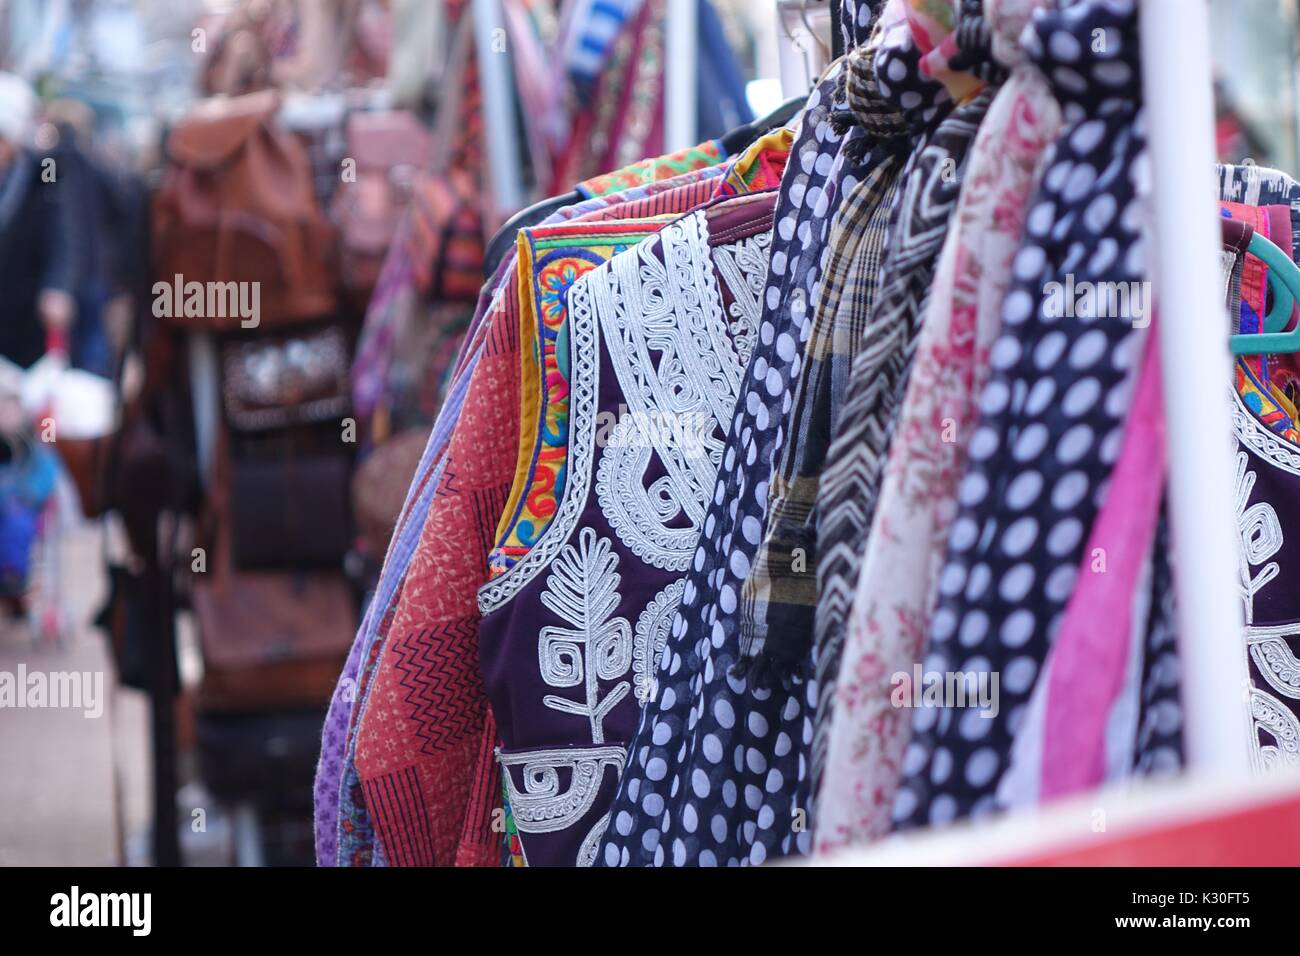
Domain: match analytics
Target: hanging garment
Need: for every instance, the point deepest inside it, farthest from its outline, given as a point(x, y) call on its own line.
point(413, 730)
point(543, 491)
point(435, 258)
point(846, 495)
point(1267, 485)
point(571, 635)
point(622, 120)
point(1051, 421)
point(1106, 705)
point(1096, 711)
point(1092, 656)
point(715, 773)
point(425, 737)
point(594, 25)
point(338, 783)
point(619, 119)
point(548, 257)
point(344, 836)
point(897, 584)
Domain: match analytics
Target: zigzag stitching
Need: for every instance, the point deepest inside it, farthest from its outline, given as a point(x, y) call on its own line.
point(442, 684)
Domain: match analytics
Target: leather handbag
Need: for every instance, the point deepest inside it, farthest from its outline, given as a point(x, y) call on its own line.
point(237, 206)
point(290, 380)
point(389, 148)
point(290, 512)
point(272, 640)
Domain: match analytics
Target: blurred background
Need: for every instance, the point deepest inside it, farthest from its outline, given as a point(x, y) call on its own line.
point(196, 494)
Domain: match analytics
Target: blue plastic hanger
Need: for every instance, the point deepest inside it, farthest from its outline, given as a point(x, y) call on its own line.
point(1284, 280)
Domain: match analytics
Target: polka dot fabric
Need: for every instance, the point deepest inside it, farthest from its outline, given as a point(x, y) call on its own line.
point(1052, 412)
point(1158, 750)
point(715, 773)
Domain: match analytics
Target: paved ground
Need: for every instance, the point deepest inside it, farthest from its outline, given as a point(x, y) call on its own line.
point(68, 783)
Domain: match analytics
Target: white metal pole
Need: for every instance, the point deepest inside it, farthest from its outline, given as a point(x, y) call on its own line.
point(1196, 369)
point(498, 109)
point(681, 49)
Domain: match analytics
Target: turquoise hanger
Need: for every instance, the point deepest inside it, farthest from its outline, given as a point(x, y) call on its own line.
point(1284, 280)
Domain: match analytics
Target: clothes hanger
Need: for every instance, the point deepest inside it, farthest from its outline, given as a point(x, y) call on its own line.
point(828, 52)
point(503, 240)
point(1284, 280)
point(837, 38)
point(735, 141)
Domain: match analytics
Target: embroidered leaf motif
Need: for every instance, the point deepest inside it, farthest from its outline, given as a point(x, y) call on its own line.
point(582, 588)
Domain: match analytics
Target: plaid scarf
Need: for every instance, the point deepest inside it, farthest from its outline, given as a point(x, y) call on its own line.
point(780, 594)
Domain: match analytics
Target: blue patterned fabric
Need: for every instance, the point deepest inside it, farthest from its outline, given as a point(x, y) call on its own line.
point(1052, 413)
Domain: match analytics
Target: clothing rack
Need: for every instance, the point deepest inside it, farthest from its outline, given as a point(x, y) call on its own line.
point(1194, 351)
point(681, 67)
point(498, 111)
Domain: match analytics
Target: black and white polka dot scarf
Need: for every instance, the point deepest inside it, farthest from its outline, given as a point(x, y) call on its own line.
point(1052, 413)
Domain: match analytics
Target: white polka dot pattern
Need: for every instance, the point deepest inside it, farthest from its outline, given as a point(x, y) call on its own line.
point(1068, 345)
point(716, 774)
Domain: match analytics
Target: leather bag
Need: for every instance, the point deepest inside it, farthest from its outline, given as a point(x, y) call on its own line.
point(237, 205)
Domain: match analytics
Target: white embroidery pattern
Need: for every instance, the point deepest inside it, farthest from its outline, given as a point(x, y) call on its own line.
point(1280, 724)
point(591, 842)
point(1260, 440)
point(584, 349)
point(1273, 657)
point(1260, 537)
point(652, 629)
point(743, 268)
point(542, 807)
point(664, 330)
point(678, 360)
point(582, 588)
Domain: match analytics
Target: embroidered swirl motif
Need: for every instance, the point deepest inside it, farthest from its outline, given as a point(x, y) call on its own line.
point(583, 589)
point(670, 347)
point(542, 807)
point(1261, 537)
point(652, 629)
point(1262, 441)
point(743, 268)
point(1281, 725)
point(1275, 661)
point(591, 842)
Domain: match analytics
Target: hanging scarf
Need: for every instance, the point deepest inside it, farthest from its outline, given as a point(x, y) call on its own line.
point(780, 593)
point(715, 774)
point(896, 586)
point(1052, 416)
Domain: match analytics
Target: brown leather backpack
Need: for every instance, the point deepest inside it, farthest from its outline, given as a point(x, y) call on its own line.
point(236, 205)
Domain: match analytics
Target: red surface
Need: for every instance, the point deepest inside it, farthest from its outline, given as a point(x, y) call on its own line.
point(1262, 835)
